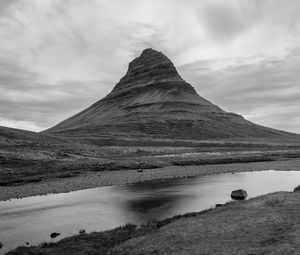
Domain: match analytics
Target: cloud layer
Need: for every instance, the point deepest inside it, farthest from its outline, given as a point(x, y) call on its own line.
point(58, 57)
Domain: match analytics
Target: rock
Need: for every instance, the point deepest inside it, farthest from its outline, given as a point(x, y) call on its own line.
point(297, 189)
point(54, 234)
point(239, 194)
point(1, 245)
point(82, 231)
point(140, 171)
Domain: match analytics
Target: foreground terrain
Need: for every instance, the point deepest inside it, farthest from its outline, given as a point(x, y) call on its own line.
point(268, 224)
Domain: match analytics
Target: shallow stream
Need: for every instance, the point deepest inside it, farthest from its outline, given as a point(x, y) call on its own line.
point(33, 219)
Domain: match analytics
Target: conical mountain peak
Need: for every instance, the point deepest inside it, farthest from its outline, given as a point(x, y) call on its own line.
point(153, 101)
point(150, 67)
point(152, 60)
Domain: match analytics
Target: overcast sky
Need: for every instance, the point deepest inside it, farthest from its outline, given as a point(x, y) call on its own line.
point(59, 56)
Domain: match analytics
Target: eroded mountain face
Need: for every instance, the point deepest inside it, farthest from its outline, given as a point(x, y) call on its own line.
point(153, 101)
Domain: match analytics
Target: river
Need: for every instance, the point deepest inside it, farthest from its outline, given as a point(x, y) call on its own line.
point(32, 219)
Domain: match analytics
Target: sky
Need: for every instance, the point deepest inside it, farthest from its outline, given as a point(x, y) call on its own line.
point(57, 57)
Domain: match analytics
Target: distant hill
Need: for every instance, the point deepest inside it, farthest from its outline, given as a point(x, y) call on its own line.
point(153, 101)
point(12, 136)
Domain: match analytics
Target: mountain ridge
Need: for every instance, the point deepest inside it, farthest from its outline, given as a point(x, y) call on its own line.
point(152, 100)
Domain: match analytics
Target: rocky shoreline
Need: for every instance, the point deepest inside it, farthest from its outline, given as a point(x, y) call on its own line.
point(121, 177)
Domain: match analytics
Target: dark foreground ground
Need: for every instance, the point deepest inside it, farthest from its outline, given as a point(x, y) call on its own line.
point(268, 224)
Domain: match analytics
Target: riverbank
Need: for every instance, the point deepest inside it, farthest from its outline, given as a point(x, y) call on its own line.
point(268, 224)
point(120, 177)
point(21, 164)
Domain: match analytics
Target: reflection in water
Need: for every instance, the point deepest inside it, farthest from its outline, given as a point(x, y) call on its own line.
point(154, 206)
point(153, 201)
point(144, 205)
point(33, 219)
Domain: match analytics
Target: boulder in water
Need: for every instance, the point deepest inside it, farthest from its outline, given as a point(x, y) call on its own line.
point(54, 234)
point(82, 231)
point(297, 189)
point(239, 194)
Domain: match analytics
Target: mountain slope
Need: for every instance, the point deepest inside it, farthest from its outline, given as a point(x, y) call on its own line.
point(153, 101)
point(19, 137)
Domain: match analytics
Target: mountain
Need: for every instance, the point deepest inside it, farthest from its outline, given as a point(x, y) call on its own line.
point(153, 101)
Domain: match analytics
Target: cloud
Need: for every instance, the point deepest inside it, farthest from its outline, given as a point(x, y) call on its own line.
point(266, 91)
point(223, 20)
point(20, 124)
point(26, 99)
point(58, 57)
point(7, 6)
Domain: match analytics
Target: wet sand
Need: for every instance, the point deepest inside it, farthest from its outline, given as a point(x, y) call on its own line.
point(120, 177)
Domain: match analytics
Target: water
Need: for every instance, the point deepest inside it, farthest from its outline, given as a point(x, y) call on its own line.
point(33, 219)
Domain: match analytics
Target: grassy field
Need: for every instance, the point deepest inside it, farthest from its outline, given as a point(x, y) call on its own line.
point(28, 157)
point(268, 224)
point(24, 162)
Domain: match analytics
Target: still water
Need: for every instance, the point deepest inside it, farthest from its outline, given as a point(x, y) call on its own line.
point(33, 219)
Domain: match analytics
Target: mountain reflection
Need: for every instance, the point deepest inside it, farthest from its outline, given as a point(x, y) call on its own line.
point(149, 202)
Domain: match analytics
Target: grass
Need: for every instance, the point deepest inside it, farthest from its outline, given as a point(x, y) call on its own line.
point(264, 225)
point(224, 160)
point(268, 224)
point(273, 202)
point(94, 243)
point(21, 164)
point(101, 242)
